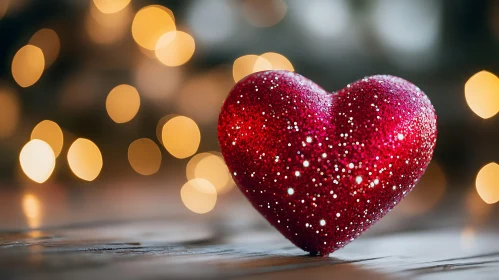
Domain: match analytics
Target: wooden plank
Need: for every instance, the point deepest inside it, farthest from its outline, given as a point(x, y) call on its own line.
point(175, 248)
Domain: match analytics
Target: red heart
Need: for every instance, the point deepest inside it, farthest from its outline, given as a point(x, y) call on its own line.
point(321, 167)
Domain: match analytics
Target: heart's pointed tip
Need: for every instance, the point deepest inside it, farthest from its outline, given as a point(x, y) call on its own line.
point(319, 254)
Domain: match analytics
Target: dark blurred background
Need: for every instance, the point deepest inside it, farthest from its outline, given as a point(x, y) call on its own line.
point(126, 95)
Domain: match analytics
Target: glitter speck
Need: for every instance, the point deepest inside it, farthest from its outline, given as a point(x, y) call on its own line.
point(291, 191)
point(400, 136)
point(297, 173)
point(350, 165)
point(358, 179)
point(309, 139)
point(376, 181)
point(324, 155)
point(306, 163)
point(322, 222)
point(338, 215)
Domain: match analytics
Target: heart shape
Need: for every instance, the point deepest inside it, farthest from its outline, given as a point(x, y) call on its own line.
point(323, 167)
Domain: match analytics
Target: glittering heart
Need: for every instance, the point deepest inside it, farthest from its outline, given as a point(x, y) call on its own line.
point(323, 167)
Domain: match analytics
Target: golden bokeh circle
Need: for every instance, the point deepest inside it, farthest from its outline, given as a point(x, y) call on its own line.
point(149, 24)
point(245, 65)
point(48, 41)
point(199, 196)
point(111, 6)
point(175, 48)
point(161, 124)
point(123, 103)
point(28, 65)
point(278, 61)
point(482, 94)
point(487, 183)
point(262, 64)
point(211, 167)
point(191, 165)
point(85, 159)
point(107, 28)
point(181, 137)
point(37, 160)
point(144, 156)
point(51, 133)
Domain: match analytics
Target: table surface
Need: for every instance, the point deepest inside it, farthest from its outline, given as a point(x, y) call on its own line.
point(231, 242)
point(160, 249)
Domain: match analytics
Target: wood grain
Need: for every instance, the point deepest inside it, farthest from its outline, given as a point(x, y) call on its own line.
point(181, 249)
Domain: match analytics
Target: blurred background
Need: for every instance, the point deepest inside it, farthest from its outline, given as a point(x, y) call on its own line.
point(108, 108)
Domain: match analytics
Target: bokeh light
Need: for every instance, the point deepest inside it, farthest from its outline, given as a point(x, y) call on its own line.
point(85, 159)
point(161, 124)
point(49, 132)
point(276, 61)
point(37, 160)
point(16, 6)
point(9, 113)
point(150, 23)
point(144, 156)
point(324, 19)
point(427, 193)
point(28, 65)
point(261, 64)
point(482, 94)
point(408, 27)
point(212, 21)
point(264, 13)
point(487, 183)
point(157, 82)
point(48, 41)
point(32, 209)
point(245, 65)
point(175, 48)
point(468, 238)
point(199, 196)
point(202, 95)
point(4, 6)
point(111, 6)
point(107, 28)
point(181, 137)
point(211, 167)
point(122, 103)
point(193, 162)
point(477, 210)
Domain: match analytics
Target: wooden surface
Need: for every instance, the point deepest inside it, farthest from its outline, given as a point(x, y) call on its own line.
point(231, 242)
point(158, 249)
point(172, 249)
